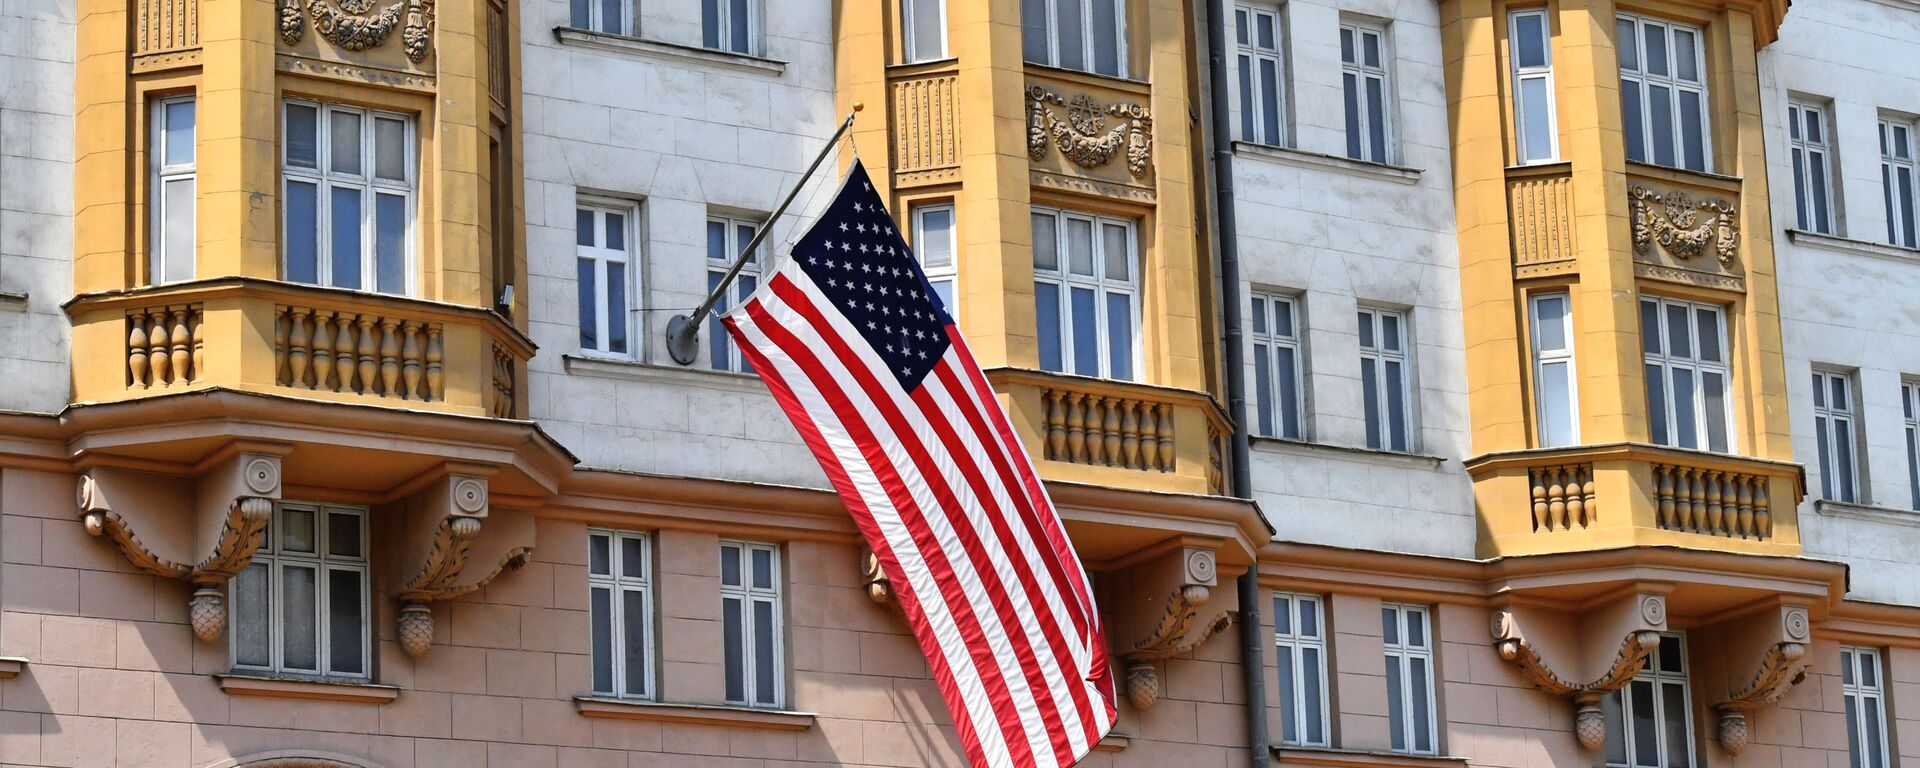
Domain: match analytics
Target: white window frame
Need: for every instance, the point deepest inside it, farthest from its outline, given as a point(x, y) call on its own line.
point(1636, 76)
point(948, 273)
point(722, 353)
point(271, 561)
point(1543, 358)
point(1668, 362)
point(1619, 704)
point(1249, 55)
point(1814, 209)
point(1835, 425)
point(910, 42)
point(724, 25)
point(626, 630)
point(596, 20)
point(163, 259)
point(1102, 286)
point(1902, 227)
point(370, 184)
point(1381, 355)
point(1272, 409)
point(1089, 52)
point(1862, 697)
point(1910, 409)
point(602, 259)
point(1289, 632)
point(1523, 74)
point(1401, 653)
point(1360, 132)
point(749, 596)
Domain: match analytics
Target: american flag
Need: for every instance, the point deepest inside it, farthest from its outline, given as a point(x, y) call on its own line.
point(864, 358)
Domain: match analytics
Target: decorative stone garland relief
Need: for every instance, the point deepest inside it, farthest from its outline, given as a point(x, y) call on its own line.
point(1083, 135)
point(357, 25)
point(1684, 225)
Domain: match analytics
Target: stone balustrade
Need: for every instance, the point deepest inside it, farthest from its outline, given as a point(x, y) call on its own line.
point(1109, 431)
point(1563, 497)
point(1712, 502)
point(163, 346)
point(368, 353)
point(1117, 433)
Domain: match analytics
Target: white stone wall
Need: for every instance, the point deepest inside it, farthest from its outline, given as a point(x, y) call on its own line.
point(1850, 306)
point(679, 137)
point(36, 201)
point(1339, 234)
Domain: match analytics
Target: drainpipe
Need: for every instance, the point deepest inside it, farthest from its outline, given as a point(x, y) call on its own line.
point(1252, 659)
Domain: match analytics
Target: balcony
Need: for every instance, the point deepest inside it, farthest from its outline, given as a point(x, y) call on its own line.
point(1117, 434)
point(290, 339)
point(1635, 494)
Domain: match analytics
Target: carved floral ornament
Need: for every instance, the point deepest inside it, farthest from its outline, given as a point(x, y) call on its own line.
point(1083, 135)
point(1589, 722)
point(358, 25)
point(1684, 225)
point(1187, 621)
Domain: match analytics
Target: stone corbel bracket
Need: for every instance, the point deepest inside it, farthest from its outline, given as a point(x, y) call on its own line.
point(1570, 665)
point(451, 542)
point(1773, 642)
point(201, 526)
point(874, 578)
point(1166, 605)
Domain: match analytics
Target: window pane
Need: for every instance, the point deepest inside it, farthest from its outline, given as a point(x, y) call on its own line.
point(1707, 324)
point(1370, 48)
point(1685, 59)
point(762, 569)
point(928, 29)
point(1310, 671)
point(1629, 45)
point(1352, 100)
point(633, 610)
point(1246, 100)
point(1120, 336)
point(1264, 37)
point(732, 627)
point(1422, 716)
point(177, 230)
point(739, 23)
point(1046, 305)
point(390, 242)
point(1080, 247)
point(1033, 30)
point(1537, 119)
point(1390, 332)
point(344, 237)
point(1263, 385)
point(1115, 253)
point(616, 230)
point(1240, 26)
point(343, 534)
point(599, 555)
point(710, 23)
point(1283, 659)
point(589, 312)
point(1046, 243)
point(936, 237)
point(610, 17)
point(944, 290)
point(1869, 670)
point(346, 623)
point(1259, 315)
point(1370, 394)
point(1550, 322)
point(1069, 26)
point(1309, 617)
point(1282, 615)
point(1693, 134)
point(1270, 101)
point(179, 132)
point(1289, 392)
point(1396, 714)
point(299, 642)
point(1611, 711)
point(302, 124)
point(1874, 747)
point(252, 644)
point(1657, 405)
point(1282, 317)
point(303, 241)
point(1366, 329)
point(601, 606)
point(1660, 111)
point(1817, 163)
point(1673, 702)
point(1556, 405)
point(1397, 418)
point(1656, 49)
point(719, 349)
point(1106, 38)
point(390, 148)
point(1679, 344)
point(764, 659)
point(616, 307)
point(730, 566)
point(633, 557)
point(1377, 118)
point(1390, 626)
point(1843, 458)
point(296, 530)
point(1684, 434)
point(1714, 391)
point(1346, 47)
point(1671, 658)
point(344, 152)
point(579, 13)
point(1632, 120)
point(1825, 453)
point(1086, 329)
point(1646, 735)
point(1530, 40)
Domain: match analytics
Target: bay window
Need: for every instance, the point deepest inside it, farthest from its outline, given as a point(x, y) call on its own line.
point(347, 189)
point(1276, 365)
point(171, 193)
point(300, 607)
point(1812, 169)
point(1833, 428)
point(1684, 345)
point(1085, 293)
point(1900, 180)
point(1663, 92)
point(620, 604)
point(1650, 723)
point(1555, 394)
point(750, 619)
point(1529, 46)
point(1084, 35)
point(1261, 70)
point(603, 241)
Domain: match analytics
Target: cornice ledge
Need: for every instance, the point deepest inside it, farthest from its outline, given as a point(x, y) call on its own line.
point(699, 714)
point(1316, 160)
point(1312, 448)
point(1854, 246)
point(278, 687)
point(1867, 513)
point(12, 666)
point(1356, 758)
point(662, 49)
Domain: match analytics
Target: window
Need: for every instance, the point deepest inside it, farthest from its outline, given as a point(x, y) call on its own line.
point(1650, 725)
point(301, 605)
point(603, 237)
point(1276, 365)
point(1529, 45)
point(1833, 427)
point(1383, 379)
point(1684, 345)
point(619, 583)
point(750, 620)
point(608, 16)
point(1812, 171)
point(1256, 34)
point(1087, 35)
point(1409, 647)
point(933, 242)
point(1899, 178)
point(1084, 293)
point(1663, 93)
point(1910, 407)
point(725, 239)
point(923, 29)
point(1300, 651)
point(729, 25)
point(1363, 65)
point(1860, 685)
point(348, 197)
point(1556, 398)
point(171, 194)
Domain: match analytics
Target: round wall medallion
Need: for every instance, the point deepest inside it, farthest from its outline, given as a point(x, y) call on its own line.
point(263, 475)
point(1653, 610)
point(1796, 624)
point(84, 493)
point(1200, 566)
point(469, 495)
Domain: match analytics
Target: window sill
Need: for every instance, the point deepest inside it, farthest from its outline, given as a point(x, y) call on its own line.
point(1113, 742)
point(1307, 448)
point(700, 714)
point(634, 370)
point(1856, 247)
point(1670, 173)
point(1359, 758)
point(280, 687)
point(13, 301)
point(1350, 166)
point(661, 49)
point(1867, 512)
point(12, 666)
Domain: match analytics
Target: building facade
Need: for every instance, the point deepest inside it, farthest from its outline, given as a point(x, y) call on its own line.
point(1454, 383)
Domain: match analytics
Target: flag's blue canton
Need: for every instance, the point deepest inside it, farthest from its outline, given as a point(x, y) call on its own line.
point(855, 254)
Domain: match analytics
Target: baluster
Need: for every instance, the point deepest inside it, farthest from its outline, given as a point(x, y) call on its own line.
point(1165, 430)
point(297, 347)
point(1110, 425)
point(182, 347)
point(1576, 503)
point(436, 375)
point(1056, 418)
point(1538, 479)
point(137, 351)
point(1096, 430)
point(322, 349)
point(343, 346)
point(368, 345)
point(1130, 435)
point(1556, 498)
point(1762, 510)
point(1586, 492)
point(1697, 500)
point(1717, 524)
point(1743, 503)
point(282, 328)
point(1076, 428)
point(159, 363)
point(199, 319)
point(389, 357)
point(410, 359)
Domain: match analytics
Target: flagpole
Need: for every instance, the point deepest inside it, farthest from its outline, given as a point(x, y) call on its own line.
point(683, 331)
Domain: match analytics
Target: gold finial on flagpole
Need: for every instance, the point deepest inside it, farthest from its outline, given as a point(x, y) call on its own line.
point(859, 105)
